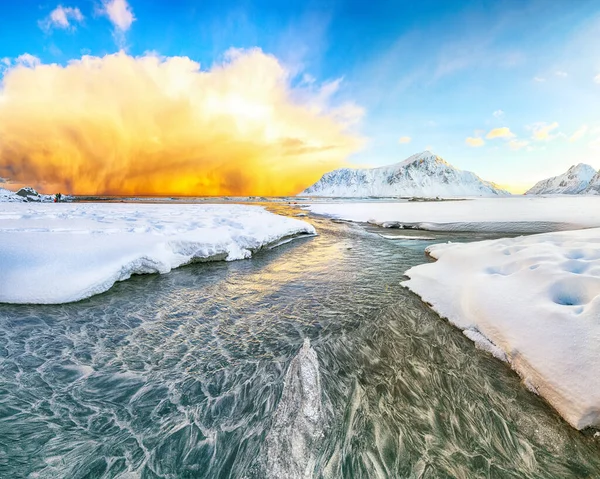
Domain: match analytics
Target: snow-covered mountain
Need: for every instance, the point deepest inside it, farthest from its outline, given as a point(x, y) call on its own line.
point(593, 187)
point(574, 181)
point(423, 174)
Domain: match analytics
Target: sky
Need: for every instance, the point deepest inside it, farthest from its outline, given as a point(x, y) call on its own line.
point(263, 97)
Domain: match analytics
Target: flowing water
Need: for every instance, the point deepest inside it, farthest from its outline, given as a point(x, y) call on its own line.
point(309, 360)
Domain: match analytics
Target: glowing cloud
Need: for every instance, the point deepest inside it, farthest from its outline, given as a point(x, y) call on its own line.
point(541, 131)
point(151, 125)
point(579, 133)
point(503, 132)
point(518, 144)
point(404, 140)
point(474, 142)
point(61, 17)
point(120, 13)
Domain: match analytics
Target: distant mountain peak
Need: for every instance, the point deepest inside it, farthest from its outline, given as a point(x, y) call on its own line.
point(574, 181)
point(422, 174)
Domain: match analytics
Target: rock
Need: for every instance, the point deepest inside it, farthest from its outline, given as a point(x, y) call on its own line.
point(29, 194)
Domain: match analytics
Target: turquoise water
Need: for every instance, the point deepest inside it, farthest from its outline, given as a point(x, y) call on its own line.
point(182, 375)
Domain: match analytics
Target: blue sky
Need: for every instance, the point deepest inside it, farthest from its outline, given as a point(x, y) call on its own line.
point(510, 90)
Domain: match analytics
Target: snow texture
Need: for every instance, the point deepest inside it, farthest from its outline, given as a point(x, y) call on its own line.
point(534, 300)
point(574, 181)
point(59, 253)
point(423, 175)
point(517, 214)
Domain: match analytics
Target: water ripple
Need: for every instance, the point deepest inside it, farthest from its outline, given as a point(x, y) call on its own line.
point(181, 375)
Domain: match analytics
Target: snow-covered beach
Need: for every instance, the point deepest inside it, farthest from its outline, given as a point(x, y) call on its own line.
point(518, 214)
point(58, 253)
point(536, 299)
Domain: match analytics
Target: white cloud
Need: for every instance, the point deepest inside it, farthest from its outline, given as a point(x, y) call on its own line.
point(560, 73)
point(597, 78)
point(404, 139)
point(474, 142)
point(119, 13)
point(541, 131)
point(518, 144)
point(27, 60)
point(62, 17)
point(498, 113)
point(503, 132)
point(308, 79)
point(539, 79)
point(579, 133)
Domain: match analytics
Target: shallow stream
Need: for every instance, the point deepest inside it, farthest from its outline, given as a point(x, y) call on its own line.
point(182, 375)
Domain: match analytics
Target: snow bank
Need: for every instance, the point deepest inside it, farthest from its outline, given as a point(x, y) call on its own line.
point(503, 215)
point(7, 196)
point(27, 194)
point(58, 253)
point(534, 299)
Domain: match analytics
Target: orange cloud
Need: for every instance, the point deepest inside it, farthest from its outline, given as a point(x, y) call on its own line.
point(503, 132)
point(474, 142)
point(162, 126)
point(541, 131)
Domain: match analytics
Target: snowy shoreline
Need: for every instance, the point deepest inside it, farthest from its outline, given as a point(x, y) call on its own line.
point(60, 253)
point(533, 302)
point(499, 215)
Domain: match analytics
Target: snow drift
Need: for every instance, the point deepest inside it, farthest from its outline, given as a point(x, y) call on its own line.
point(61, 253)
point(533, 301)
point(423, 174)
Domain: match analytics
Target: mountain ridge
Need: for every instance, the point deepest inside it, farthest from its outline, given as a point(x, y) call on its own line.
point(422, 174)
point(576, 180)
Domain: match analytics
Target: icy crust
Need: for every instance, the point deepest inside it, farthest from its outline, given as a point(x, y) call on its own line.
point(534, 299)
point(423, 174)
point(59, 253)
point(502, 215)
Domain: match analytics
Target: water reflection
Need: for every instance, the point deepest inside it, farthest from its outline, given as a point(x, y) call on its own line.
point(180, 375)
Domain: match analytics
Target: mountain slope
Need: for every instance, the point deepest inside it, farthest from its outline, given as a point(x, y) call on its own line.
point(574, 181)
point(423, 174)
point(593, 187)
